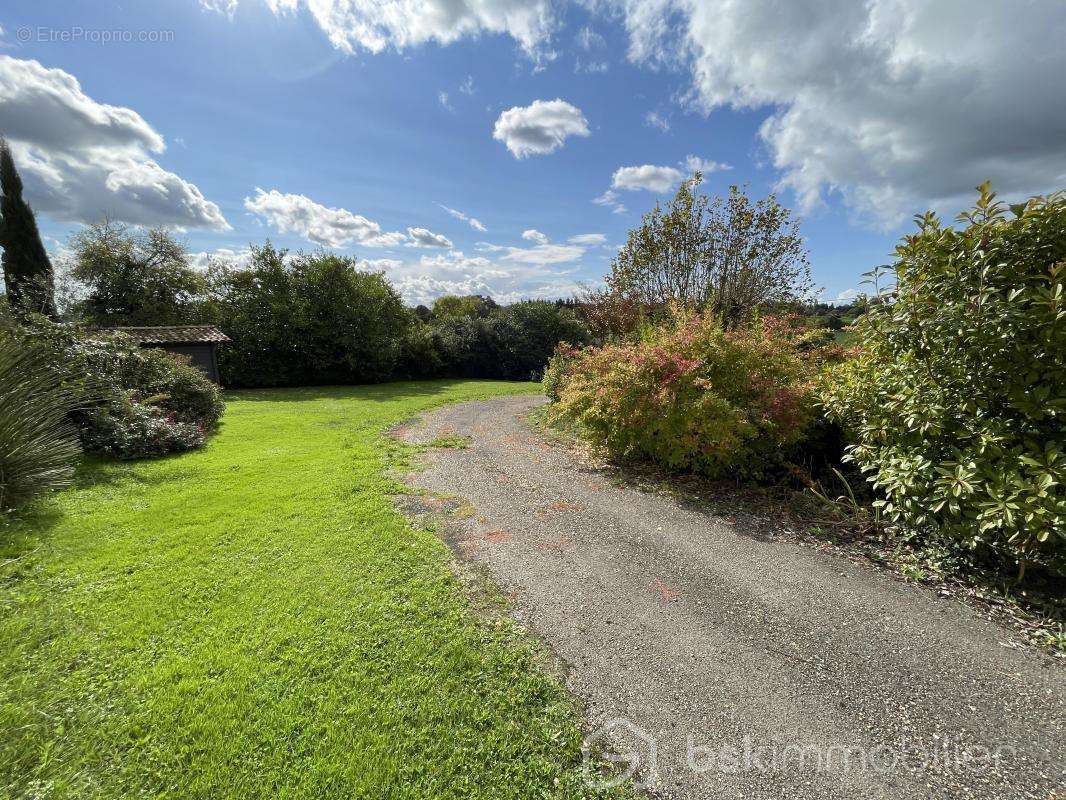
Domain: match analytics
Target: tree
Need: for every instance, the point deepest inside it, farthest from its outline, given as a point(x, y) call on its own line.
point(471, 305)
point(135, 278)
point(27, 271)
point(306, 319)
point(729, 255)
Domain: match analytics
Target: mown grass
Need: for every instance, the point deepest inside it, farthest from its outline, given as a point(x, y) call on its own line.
point(257, 620)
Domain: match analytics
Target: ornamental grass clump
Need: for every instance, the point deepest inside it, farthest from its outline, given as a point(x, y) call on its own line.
point(957, 398)
point(691, 396)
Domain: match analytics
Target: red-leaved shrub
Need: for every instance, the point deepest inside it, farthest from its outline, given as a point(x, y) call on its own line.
point(691, 396)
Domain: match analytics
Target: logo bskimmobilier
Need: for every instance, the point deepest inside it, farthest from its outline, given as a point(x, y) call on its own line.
point(625, 744)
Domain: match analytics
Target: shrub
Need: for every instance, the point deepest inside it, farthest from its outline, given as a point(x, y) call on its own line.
point(128, 429)
point(38, 444)
point(307, 319)
point(956, 401)
point(511, 343)
point(691, 396)
point(147, 402)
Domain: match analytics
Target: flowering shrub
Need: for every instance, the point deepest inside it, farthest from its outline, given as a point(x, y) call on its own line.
point(147, 402)
point(691, 396)
point(957, 399)
point(135, 430)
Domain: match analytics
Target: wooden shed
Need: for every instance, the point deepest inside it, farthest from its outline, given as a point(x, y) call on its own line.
point(198, 342)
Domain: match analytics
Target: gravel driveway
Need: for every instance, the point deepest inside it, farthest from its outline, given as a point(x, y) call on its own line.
point(733, 664)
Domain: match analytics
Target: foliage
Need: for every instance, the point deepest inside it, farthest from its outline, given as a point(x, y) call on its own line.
point(28, 273)
point(730, 256)
point(306, 319)
point(38, 444)
point(146, 402)
point(957, 398)
point(511, 343)
point(471, 305)
point(265, 599)
point(134, 277)
point(692, 396)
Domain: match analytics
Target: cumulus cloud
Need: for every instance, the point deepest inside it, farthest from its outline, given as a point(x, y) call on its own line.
point(473, 222)
point(533, 235)
point(897, 105)
point(456, 273)
point(377, 25)
point(445, 103)
point(224, 256)
point(421, 237)
point(647, 177)
point(588, 239)
point(81, 159)
point(330, 227)
point(539, 128)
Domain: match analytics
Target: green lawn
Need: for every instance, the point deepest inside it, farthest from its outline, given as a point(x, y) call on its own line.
point(256, 620)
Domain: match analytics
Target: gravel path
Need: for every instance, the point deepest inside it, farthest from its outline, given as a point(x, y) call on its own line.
point(730, 664)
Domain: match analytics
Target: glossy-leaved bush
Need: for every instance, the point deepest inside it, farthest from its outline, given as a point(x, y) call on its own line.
point(957, 398)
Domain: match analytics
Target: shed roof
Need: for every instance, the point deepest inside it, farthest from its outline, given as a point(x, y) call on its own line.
point(172, 334)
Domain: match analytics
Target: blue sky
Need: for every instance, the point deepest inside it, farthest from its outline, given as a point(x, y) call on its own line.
point(858, 116)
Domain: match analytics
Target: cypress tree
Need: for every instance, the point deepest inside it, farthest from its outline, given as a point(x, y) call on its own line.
point(27, 270)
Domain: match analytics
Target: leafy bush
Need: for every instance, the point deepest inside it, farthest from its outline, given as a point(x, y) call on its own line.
point(38, 445)
point(148, 402)
point(956, 401)
point(128, 429)
point(510, 343)
point(691, 396)
point(306, 319)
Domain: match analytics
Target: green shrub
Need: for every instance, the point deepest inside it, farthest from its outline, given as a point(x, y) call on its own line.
point(956, 400)
point(511, 343)
point(306, 319)
point(691, 396)
point(147, 402)
point(38, 444)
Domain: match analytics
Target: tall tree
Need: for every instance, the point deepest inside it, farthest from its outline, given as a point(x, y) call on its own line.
point(28, 273)
point(728, 254)
point(136, 277)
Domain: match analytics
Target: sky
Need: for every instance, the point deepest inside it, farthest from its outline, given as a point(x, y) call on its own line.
point(505, 147)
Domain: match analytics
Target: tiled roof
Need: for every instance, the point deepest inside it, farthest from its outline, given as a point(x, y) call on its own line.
point(172, 334)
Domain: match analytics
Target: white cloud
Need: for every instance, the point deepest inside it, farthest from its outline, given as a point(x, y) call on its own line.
point(539, 128)
point(380, 264)
point(505, 280)
point(543, 254)
point(81, 159)
point(421, 237)
point(610, 199)
point(533, 235)
point(473, 222)
point(467, 86)
point(897, 105)
point(704, 165)
point(588, 239)
point(442, 98)
point(234, 259)
point(588, 39)
point(330, 227)
point(591, 67)
point(376, 25)
point(646, 177)
point(653, 119)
